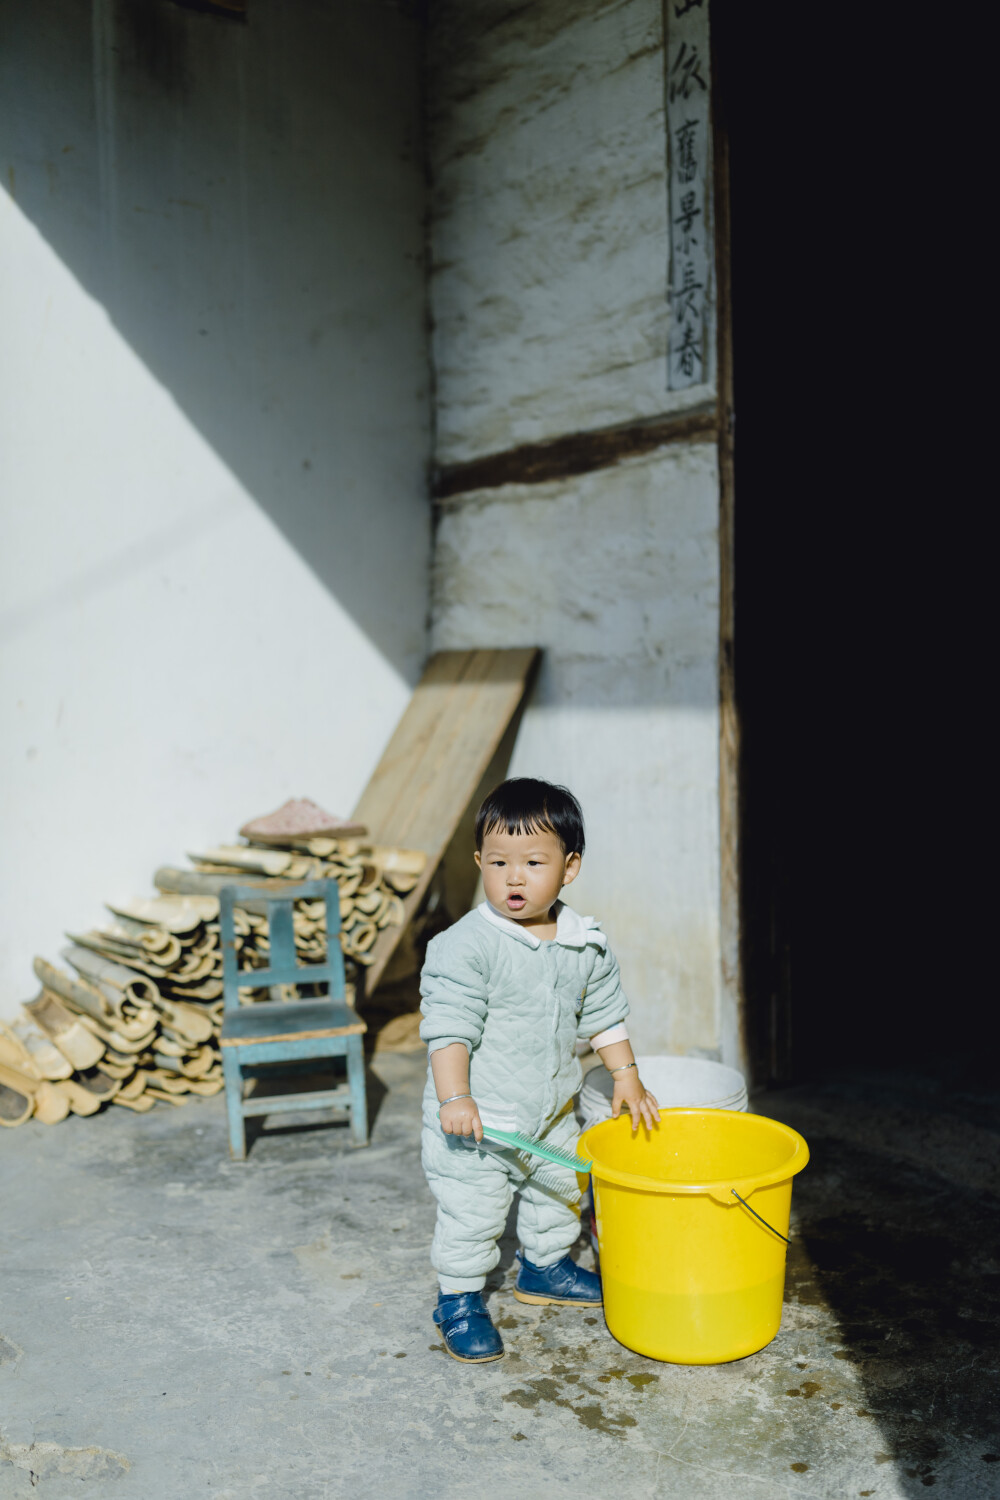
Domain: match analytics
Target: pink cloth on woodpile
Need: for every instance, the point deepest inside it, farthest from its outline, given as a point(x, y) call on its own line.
point(301, 818)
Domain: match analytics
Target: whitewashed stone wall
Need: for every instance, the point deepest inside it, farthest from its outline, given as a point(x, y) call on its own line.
point(551, 263)
point(616, 575)
point(550, 254)
point(214, 432)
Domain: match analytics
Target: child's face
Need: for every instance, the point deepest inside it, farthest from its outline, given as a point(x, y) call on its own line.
point(523, 873)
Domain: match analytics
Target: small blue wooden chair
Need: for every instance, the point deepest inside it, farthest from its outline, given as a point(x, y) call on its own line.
point(292, 1032)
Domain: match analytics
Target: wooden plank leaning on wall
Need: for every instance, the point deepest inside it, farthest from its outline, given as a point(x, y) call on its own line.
point(435, 761)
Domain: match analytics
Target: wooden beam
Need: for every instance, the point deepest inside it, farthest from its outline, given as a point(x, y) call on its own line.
point(731, 937)
point(576, 453)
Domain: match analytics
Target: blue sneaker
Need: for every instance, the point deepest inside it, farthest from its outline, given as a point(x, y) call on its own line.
point(467, 1328)
point(566, 1284)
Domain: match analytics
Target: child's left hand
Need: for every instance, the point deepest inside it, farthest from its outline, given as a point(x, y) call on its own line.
point(631, 1094)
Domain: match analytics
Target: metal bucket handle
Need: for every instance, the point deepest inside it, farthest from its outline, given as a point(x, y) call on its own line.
point(757, 1216)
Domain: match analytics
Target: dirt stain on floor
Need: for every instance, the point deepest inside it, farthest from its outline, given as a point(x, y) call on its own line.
point(806, 1389)
point(593, 1417)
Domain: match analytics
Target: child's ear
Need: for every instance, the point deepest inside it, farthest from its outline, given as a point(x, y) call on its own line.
point(572, 869)
point(479, 862)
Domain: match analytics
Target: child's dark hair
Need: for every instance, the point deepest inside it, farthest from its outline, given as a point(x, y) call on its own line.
point(524, 805)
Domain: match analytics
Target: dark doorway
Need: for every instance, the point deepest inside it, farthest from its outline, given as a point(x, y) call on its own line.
point(826, 244)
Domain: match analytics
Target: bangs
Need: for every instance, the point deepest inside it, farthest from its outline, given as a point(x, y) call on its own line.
point(520, 823)
point(524, 805)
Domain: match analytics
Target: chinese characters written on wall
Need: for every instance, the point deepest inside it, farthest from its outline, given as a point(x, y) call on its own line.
point(688, 128)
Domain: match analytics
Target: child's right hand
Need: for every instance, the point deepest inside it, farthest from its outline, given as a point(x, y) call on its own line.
point(461, 1118)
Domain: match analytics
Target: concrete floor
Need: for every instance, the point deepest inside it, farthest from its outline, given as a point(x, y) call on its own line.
point(175, 1325)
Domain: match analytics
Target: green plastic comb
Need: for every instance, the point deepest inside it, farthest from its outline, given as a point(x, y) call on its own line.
point(536, 1148)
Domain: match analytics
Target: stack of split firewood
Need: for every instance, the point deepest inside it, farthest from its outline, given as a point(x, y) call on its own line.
point(135, 1016)
point(302, 842)
point(104, 1029)
point(371, 881)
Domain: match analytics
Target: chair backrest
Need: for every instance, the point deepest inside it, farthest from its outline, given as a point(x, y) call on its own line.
point(275, 899)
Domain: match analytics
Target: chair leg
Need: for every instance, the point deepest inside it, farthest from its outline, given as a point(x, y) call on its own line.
point(234, 1104)
point(359, 1096)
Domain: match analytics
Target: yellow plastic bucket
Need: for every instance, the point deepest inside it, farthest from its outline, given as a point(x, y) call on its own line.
point(690, 1275)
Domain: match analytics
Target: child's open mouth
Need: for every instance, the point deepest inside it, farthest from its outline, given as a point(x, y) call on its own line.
point(516, 902)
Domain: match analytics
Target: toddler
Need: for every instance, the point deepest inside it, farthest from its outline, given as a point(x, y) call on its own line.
point(507, 991)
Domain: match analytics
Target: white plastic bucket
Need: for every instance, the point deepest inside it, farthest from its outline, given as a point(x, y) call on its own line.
point(675, 1083)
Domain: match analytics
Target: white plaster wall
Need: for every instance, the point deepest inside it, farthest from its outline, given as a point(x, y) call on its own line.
point(550, 256)
point(551, 260)
point(213, 433)
point(615, 575)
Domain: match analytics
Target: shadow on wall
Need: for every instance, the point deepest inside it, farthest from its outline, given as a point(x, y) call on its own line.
point(246, 201)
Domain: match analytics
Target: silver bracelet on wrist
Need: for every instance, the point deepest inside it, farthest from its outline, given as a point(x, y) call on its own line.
point(623, 1068)
point(443, 1102)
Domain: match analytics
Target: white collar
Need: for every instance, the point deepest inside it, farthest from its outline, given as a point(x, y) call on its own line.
point(572, 930)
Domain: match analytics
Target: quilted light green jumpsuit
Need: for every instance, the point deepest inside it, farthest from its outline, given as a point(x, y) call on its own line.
point(519, 1006)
